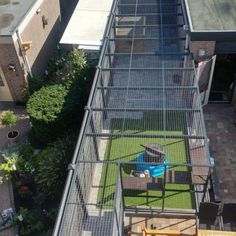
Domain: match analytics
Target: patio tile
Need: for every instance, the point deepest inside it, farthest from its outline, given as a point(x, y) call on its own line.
point(138, 222)
point(220, 125)
point(23, 126)
point(222, 135)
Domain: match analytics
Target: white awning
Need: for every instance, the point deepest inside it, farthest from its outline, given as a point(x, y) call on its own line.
point(87, 24)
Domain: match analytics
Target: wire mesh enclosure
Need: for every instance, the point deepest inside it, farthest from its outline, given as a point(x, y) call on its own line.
point(93, 210)
point(145, 100)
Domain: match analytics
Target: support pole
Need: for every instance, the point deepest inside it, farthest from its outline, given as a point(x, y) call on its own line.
point(164, 190)
point(205, 185)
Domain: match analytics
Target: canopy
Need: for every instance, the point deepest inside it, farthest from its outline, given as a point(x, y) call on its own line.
point(87, 24)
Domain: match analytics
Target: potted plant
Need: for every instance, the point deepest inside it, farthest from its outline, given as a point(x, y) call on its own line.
point(9, 118)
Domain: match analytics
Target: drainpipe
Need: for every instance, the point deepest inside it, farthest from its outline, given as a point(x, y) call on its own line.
point(25, 59)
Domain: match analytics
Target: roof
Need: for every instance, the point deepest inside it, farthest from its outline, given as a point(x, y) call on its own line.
point(212, 20)
point(87, 24)
point(12, 13)
point(212, 15)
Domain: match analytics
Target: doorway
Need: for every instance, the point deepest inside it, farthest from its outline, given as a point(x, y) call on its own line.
point(223, 79)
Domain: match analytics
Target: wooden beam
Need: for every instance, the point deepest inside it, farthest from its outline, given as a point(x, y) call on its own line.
point(152, 232)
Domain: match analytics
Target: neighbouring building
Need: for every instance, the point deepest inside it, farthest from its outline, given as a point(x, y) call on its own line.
point(212, 32)
point(86, 27)
point(29, 32)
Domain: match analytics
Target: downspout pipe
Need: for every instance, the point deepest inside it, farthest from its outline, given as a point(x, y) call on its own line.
point(25, 59)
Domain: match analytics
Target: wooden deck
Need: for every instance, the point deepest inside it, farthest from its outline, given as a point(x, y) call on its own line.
point(215, 233)
point(198, 157)
point(134, 223)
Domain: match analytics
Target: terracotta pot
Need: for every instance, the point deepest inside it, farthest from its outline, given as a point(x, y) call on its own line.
point(12, 136)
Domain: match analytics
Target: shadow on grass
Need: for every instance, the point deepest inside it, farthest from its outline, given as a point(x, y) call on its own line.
point(106, 199)
point(151, 121)
point(152, 199)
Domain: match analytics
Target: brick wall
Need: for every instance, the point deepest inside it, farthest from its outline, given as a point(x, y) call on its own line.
point(209, 46)
point(44, 38)
point(15, 79)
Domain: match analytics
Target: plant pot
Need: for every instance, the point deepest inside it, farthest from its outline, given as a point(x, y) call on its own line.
point(12, 136)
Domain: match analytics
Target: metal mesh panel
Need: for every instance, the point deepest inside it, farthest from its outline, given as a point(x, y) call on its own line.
point(118, 209)
point(145, 93)
point(141, 77)
point(89, 208)
point(171, 191)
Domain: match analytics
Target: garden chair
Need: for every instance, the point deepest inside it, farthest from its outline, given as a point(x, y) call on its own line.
point(228, 217)
point(207, 216)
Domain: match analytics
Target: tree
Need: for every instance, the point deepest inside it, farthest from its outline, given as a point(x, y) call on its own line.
point(69, 67)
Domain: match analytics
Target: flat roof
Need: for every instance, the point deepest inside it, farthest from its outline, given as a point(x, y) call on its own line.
point(87, 25)
point(212, 15)
point(12, 13)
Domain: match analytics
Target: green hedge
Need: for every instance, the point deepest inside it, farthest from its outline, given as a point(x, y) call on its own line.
point(58, 106)
point(52, 110)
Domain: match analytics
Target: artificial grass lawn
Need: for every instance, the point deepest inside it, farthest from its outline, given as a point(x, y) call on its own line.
point(126, 149)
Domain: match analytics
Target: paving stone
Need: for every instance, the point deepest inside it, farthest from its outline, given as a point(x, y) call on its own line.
point(23, 126)
point(222, 136)
point(220, 125)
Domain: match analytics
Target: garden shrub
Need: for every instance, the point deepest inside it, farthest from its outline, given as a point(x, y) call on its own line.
point(52, 168)
point(30, 224)
point(19, 158)
point(73, 66)
point(52, 110)
point(8, 168)
point(9, 118)
point(35, 83)
point(58, 106)
point(67, 66)
point(36, 221)
point(55, 108)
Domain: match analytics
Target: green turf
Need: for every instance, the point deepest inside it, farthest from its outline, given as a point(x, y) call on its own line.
point(126, 149)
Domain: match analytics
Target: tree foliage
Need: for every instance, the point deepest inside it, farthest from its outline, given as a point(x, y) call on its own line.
point(29, 225)
point(55, 108)
point(52, 168)
point(35, 83)
point(68, 66)
point(18, 158)
point(52, 110)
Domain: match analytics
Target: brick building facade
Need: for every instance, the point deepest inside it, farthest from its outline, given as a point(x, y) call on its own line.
point(202, 50)
point(26, 45)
